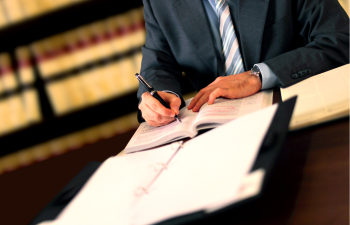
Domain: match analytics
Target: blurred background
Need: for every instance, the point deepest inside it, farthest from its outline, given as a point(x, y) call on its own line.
point(66, 83)
point(66, 75)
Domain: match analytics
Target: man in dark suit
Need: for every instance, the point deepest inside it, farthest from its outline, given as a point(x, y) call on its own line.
point(234, 48)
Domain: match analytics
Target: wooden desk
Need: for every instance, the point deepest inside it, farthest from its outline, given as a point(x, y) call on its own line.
point(321, 154)
point(316, 174)
point(310, 184)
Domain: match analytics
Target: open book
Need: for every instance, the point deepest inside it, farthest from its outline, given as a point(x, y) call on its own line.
point(209, 116)
point(203, 174)
point(321, 98)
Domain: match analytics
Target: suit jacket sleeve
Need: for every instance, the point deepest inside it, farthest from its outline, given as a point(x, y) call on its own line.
point(322, 28)
point(158, 67)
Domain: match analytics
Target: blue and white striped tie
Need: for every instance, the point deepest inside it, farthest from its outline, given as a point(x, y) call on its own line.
point(231, 53)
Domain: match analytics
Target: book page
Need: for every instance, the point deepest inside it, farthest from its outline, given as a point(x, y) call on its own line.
point(320, 98)
point(224, 110)
point(147, 136)
point(209, 116)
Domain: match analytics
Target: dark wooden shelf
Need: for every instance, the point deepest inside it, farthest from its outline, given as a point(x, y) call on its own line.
point(60, 20)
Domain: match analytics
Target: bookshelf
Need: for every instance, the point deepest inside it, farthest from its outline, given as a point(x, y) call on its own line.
point(59, 20)
point(51, 126)
point(51, 55)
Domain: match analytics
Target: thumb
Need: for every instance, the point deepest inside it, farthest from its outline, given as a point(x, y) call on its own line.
point(175, 104)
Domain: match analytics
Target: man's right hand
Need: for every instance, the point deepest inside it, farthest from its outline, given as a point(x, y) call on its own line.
point(155, 113)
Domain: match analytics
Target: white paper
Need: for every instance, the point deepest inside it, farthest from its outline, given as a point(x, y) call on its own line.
point(250, 186)
point(108, 196)
point(105, 199)
point(207, 171)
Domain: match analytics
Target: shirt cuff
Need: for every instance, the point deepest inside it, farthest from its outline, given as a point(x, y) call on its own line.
point(269, 79)
point(167, 91)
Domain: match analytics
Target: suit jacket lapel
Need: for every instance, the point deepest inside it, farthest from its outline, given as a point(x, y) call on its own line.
point(252, 16)
point(194, 22)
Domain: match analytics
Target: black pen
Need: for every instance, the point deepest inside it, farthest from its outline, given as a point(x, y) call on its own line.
point(154, 93)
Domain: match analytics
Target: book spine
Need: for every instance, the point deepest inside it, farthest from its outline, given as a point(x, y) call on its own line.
point(30, 8)
point(13, 10)
point(82, 54)
point(77, 99)
point(72, 45)
point(8, 77)
point(45, 6)
point(31, 106)
point(100, 41)
point(17, 117)
point(137, 28)
point(4, 120)
point(118, 30)
point(25, 66)
point(60, 3)
point(3, 19)
point(44, 55)
point(66, 56)
point(58, 97)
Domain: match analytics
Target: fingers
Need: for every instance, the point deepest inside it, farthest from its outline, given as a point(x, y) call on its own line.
point(235, 86)
point(218, 92)
point(196, 98)
point(155, 113)
point(173, 101)
point(155, 105)
point(175, 105)
point(155, 119)
point(201, 93)
point(204, 98)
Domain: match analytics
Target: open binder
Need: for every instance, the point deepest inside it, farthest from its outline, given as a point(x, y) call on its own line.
point(167, 161)
point(270, 150)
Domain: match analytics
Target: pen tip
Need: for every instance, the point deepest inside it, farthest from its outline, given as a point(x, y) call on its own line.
point(178, 119)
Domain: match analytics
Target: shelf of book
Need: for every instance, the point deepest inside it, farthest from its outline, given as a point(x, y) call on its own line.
point(71, 71)
point(67, 77)
point(67, 84)
point(23, 32)
point(70, 123)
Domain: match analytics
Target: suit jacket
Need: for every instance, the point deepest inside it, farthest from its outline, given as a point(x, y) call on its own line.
point(295, 38)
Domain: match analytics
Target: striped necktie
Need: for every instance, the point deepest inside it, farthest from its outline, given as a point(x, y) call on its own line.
point(230, 51)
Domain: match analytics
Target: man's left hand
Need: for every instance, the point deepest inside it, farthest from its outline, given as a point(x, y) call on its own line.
point(233, 86)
